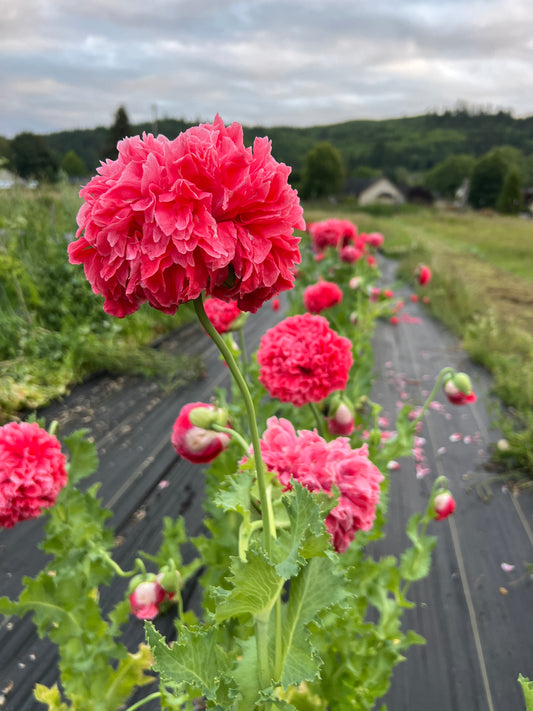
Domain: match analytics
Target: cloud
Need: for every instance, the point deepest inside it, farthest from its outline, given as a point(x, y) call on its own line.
point(298, 62)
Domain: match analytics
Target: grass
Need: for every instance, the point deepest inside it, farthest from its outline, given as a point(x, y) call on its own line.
point(482, 289)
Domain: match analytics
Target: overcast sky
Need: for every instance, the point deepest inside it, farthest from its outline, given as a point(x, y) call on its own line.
point(67, 64)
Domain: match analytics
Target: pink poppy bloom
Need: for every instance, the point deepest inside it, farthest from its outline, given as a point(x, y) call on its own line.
point(199, 444)
point(148, 598)
point(423, 274)
point(319, 465)
point(327, 233)
point(340, 420)
point(223, 315)
point(374, 239)
point(170, 219)
point(350, 254)
point(32, 472)
point(321, 296)
point(443, 505)
point(302, 360)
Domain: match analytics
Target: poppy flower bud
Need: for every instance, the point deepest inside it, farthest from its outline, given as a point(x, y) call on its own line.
point(169, 579)
point(340, 419)
point(443, 505)
point(458, 389)
point(196, 442)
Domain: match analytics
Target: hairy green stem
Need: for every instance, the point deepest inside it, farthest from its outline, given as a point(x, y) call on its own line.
point(250, 411)
point(234, 434)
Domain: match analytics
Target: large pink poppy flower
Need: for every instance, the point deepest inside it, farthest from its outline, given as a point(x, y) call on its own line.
point(170, 219)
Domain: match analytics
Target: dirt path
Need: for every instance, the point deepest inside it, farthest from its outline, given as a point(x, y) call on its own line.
point(476, 616)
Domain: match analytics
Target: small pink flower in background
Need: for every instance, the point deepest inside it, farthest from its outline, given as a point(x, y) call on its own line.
point(371, 261)
point(32, 472)
point(302, 360)
point(223, 315)
point(319, 465)
point(198, 444)
point(414, 298)
point(394, 320)
point(340, 420)
point(327, 233)
point(275, 304)
point(423, 274)
point(321, 296)
point(393, 465)
point(507, 567)
point(170, 219)
point(350, 254)
point(458, 389)
point(355, 282)
point(443, 505)
point(388, 293)
point(319, 257)
point(374, 239)
point(426, 299)
point(455, 437)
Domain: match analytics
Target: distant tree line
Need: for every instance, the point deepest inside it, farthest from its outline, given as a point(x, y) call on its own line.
point(435, 150)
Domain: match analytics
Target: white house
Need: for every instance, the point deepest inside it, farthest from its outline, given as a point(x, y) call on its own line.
point(374, 190)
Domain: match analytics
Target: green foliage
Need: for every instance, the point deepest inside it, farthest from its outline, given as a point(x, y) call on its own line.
point(323, 173)
point(447, 176)
point(32, 158)
point(97, 671)
point(488, 176)
point(73, 165)
point(527, 688)
point(510, 198)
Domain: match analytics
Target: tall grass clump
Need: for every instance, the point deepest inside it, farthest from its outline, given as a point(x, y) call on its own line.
point(53, 332)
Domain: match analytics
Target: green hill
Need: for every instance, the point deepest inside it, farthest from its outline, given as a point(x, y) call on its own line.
point(415, 144)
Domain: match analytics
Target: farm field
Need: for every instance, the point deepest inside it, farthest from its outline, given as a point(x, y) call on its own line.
point(54, 332)
point(482, 289)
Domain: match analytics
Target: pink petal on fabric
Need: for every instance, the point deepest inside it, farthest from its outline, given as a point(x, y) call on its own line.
point(422, 471)
point(507, 567)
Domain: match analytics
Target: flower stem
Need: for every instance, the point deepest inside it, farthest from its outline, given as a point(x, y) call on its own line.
point(150, 697)
point(250, 411)
point(234, 434)
point(318, 419)
point(438, 383)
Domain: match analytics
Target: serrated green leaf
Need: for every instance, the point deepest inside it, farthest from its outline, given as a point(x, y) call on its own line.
point(83, 457)
point(317, 587)
point(256, 587)
point(49, 696)
point(307, 535)
point(415, 562)
point(130, 673)
point(235, 496)
point(195, 660)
